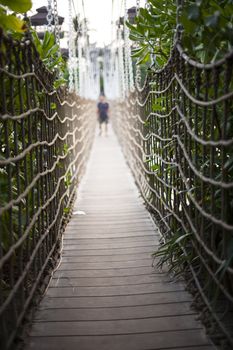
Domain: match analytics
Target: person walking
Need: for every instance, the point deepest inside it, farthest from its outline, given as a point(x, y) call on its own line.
point(103, 114)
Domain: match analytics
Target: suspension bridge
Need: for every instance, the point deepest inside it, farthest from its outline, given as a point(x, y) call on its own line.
point(82, 214)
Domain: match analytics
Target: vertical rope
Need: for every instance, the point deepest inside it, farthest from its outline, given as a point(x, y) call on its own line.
point(126, 58)
point(128, 52)
point(56, 23)
point(121, 63)
point(49, 16)
point(138, 77)
point(71, 53)
point(80, 66)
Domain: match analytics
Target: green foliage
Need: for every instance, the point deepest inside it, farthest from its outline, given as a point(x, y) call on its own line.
point(171, 252)
point(9, 22)
point(227, 262)
point(66, 210)
point(20, 6)
point(207, 30)
point(153, 31)
point(67, 180)
point(47, 48)
point(51, 56)
point(49, 51)
point(158, 106)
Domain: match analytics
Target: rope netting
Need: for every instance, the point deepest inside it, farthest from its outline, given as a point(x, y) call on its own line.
point(45, 139)
point(176, 133)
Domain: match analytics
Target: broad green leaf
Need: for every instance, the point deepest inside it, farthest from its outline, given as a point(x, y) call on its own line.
point(193, 12)
point(20, 6)
point(229, 164)
point(53, 105)
point(212, 21)
point(139, 52)
point(181, 238)
point(155, 167)
point(12, 23)
point(59, 82)
point(144, 59)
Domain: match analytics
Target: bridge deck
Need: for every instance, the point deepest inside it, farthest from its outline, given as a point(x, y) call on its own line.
point(105, 294)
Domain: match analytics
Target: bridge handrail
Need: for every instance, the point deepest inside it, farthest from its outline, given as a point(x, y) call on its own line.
point(45, 138)
point(176, 133)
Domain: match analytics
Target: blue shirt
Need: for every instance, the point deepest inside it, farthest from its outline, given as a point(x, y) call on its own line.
point(103, 109)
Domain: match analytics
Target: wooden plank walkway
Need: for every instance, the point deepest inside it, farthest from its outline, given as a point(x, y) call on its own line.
point(105, 295)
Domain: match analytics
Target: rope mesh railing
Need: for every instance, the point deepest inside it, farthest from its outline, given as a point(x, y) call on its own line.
point(45, 138)
point(176, 134)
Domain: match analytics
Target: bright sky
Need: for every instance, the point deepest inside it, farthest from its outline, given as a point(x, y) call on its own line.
point(98, 12)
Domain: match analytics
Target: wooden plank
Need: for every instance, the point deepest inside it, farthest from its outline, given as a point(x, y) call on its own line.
point(108, 272)
point(119, 313)
point(99, 206)
point(115, 301)
point(85, 235)
point(101, 265)
point(177, 340)
point(100, 216)
point(162, 324)
point(114, 227)
point(105, 240)
point(108, 281)
point(99, 220)
point(105, 232)
point(105, 252)
point(112, 223)
point(109, 258)
point(97, 210)
point(111, 245)
point(77, 291)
